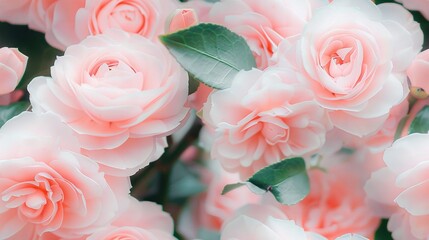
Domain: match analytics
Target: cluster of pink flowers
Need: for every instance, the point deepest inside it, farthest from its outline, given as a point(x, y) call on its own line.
point(331, 85)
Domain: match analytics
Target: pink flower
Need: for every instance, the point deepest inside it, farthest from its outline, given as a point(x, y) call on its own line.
point(14, 12)
point(263, 118)
point(72, 21)
point(418, 5)
point(210, 209)
point(262, 23)
point(46, 185)
point(255, 222)
point(418, 72)
point(336, 203)
point(12, 67)
point(121, 93)
point(141, 220)
point(181, 19)
point(404, 184)
point(39, 12)
point(356, 66)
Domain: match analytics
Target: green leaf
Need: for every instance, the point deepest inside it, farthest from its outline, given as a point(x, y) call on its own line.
point(228, 188)
point(208, 234)
point(286, 180)
point(211, 53)
point(420, 124)
point(10, 111)
point(183, 182)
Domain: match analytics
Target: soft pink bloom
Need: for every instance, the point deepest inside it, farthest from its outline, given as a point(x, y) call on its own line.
point(418, 5)
point(418, 71)
point(121, 93)
point(72, 21)
point(39, 12)
point(14, 12)
point(403, 183)
point(263, 118)
point(141, 220)
point(255, 222)
point(210, 209)
point(181, 19)
point(46, 185)
point(336, 202)
point(12, 67)
point(356, 66)
point(263, 24)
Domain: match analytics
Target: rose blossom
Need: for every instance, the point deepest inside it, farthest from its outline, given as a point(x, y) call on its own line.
point(210, 209)
point(263, 24)
point(141, 220)
point(181, 19)
point(255, 222)
point(418, 73)
point(404, 183)
point(263, 118)
point(418, 5)
point(46, 185)
point(72, 21)
point(14, 12)
point(336, 202)
point(12, 67)
point(356, 66)
point(121, 93)
point(39, 12)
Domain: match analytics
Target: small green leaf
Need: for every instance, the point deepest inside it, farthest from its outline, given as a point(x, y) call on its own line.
point(286, 180)
point(210, 53)
point(183, 182)
point(10, 111)
point(420, 124)
point(228, 188)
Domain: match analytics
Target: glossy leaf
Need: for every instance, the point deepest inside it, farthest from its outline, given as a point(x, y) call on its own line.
point(286, 180)
point(212, 54)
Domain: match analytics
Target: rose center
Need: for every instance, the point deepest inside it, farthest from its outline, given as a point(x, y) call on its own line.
point(274, 133)
point(114, 73)
point(127, 17)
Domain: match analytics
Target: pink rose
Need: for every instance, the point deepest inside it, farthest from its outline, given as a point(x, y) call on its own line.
point(336, 203)
point(404, 186)
point(72, 21)
point(141, 220)
point(46, 185)
point(14, 12)
point(39, 12)
point(210, 209)
point(264, 117)
point(263, 24)
point(356, 66)
point(121, 93)
point(181, 19)
point(418, 73)
point(418, 5)
point(12, 67)
point(255, 222)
